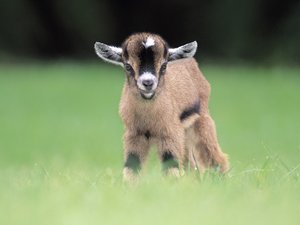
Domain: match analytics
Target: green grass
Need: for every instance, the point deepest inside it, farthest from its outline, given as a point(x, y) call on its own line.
point(61, 151)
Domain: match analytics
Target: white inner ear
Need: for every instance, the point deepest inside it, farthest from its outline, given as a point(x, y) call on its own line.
point(184, 51)
point(109, 53)
point(116, 49)
point(150, 42)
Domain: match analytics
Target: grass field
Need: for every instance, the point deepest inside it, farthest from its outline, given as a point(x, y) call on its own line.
point(61, 151)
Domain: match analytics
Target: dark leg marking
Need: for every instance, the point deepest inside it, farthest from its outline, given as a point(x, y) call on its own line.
point(147, 135)
point(195, 108)
point(133, 162)
point(169, 161)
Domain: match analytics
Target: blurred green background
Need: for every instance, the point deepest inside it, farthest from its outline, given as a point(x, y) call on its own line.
point(61, 137)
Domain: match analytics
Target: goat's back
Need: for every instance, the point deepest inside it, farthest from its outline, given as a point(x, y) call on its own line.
point(186, 84)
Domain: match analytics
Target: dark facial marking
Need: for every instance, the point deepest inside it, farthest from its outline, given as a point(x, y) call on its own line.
point(146, 60)
point(133, 162)
point(195, 108)
point(169, 161)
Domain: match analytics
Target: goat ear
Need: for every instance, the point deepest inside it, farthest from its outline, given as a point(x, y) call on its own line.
point(184, 51)
point(109, 53)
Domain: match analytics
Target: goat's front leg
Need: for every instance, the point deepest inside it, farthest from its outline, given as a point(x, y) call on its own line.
point(136, 147)
point(171, 152)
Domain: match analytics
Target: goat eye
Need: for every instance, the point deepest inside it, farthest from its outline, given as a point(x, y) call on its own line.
point(163, 67)
point(127, 67)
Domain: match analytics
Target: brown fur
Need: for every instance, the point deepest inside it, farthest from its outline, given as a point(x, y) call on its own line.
point(157, 121)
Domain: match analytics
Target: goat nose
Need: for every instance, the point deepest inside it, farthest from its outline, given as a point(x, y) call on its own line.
point(148, 83)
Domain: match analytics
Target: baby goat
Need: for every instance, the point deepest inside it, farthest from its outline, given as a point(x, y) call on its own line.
point(165, 102)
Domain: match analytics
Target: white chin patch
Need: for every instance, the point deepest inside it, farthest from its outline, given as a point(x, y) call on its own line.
point(150, 42)
point(148, 95)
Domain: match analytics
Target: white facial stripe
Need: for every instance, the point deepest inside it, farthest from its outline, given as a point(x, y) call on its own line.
point(150, 42)
point(147, 76)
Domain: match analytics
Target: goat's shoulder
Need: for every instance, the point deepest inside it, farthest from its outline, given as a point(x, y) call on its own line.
point(183, 63)
point(188, 68)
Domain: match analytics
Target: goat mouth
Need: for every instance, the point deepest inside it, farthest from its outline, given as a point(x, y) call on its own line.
point(147, 94)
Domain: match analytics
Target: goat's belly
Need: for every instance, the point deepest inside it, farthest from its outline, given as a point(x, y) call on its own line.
point(154, 129)
point(157, 129)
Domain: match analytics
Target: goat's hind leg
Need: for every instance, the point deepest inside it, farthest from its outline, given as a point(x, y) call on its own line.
point(192, 155)
point(207, 147)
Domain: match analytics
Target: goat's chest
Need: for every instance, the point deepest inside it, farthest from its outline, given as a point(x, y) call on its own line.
point(153, 118)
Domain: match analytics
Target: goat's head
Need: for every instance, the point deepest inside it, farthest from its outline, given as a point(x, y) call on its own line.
point(144, 57)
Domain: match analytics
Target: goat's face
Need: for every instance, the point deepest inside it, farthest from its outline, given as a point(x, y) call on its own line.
point(144, 57)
